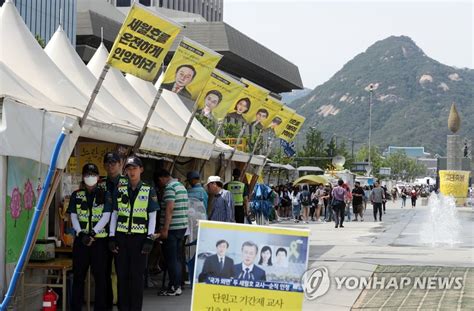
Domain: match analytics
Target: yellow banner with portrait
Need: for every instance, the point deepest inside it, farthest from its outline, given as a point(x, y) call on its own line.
point(292, 127)
point(262, 267)
point(142, 43)
point(455, 183)
point(190, 69)
point(218, 95)
point(281, 119)
point(249, 101)
point(271, 107)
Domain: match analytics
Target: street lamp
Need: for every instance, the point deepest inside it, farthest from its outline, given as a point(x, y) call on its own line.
point(371, 89)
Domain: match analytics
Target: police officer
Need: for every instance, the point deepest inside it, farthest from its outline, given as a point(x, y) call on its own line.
point(239, 192)
point(132, 229)
point(114, 178)
point(90, 209)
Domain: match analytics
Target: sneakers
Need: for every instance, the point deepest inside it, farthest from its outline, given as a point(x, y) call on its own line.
point(170, 292)
point(341, 226)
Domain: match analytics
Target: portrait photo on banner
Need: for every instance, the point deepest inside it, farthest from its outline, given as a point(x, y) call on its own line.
point(189, 69)
point(218, 95)
point(261, 260)
point(248, 103)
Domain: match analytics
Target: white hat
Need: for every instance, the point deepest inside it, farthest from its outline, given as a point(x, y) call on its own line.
point(215, 179)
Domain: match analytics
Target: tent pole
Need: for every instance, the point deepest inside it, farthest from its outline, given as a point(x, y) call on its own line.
point(94, 94)
point(185, 135)
point(150, 113)
point(3, 224)
point(219, 127)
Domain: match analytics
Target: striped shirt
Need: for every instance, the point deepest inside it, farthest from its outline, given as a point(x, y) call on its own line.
point(223, 207)
point(176, 192)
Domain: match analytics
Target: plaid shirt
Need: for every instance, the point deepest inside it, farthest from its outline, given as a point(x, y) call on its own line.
point(223, 207)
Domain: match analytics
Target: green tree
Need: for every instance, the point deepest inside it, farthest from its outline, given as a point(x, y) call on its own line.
point(40, 41)
point(313, 148)
point(375, 157)
point(403, 167)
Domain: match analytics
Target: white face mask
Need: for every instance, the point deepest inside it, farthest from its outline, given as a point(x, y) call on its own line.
point(90, 180)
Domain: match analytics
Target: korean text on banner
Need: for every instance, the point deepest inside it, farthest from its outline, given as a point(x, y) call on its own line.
point(190, 69)
point(270, 109)
point(281, 119)
point(142, 43)
point(218, 95)
point(249, 101)
point(455, 183)
point(249, 267)
point(292, 127)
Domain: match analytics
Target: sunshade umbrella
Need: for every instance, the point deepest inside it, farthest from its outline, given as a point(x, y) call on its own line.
point(311, 180)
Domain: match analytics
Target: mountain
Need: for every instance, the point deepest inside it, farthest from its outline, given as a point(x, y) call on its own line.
point(290, 97)
point(411, 98)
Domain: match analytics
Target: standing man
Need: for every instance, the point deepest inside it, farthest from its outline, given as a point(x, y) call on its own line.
point(111, 183)
point(173, 225)
point(222, 203)
point(357, 201)
point(218, 265)
point(197, 190)
point(338, 203)
point(132, 230)
point(240, 196)
point(377, 196)
point(90, 209)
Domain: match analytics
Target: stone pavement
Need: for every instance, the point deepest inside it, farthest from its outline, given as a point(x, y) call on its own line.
point(357, 251)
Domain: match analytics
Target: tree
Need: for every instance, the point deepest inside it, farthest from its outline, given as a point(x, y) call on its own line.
point(313, 148)
point(376, 158)
point(403, 167)
point(40, 41)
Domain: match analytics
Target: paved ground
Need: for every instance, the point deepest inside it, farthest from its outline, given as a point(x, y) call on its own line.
point(362, 248)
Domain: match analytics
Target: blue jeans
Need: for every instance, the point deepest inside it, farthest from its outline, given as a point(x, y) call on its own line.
point(173, 256)
point(296, 211)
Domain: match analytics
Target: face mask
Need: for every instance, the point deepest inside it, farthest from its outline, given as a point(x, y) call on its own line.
point(90, 180)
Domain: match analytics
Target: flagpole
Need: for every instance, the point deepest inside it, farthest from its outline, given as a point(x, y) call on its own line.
point(219, 127)
point(185, 135)
point(251, 154)
point(94, 94)
point(148, 118)
point(266, 156)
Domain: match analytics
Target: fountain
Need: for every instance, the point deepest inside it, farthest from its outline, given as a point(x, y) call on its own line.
point(442, 226)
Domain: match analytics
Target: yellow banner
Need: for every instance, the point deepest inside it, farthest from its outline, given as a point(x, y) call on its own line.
point(292, 127)
point(93, 153)
point(142, 43)
point(190, 69)
point(454, 183)
point(261, 270)
point(218, 95)
point(249, 101)
point(281, 119)
point(270, 108)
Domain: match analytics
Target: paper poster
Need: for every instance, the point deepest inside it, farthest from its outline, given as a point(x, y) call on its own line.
point(218, 95)
point(247, 267)
point(190, 69)
point(142, 43)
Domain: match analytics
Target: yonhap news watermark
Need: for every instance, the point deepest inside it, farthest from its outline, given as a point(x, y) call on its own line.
point(317, 281)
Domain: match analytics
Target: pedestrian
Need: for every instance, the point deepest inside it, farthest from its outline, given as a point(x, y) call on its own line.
point(90, 209)
point(404, 197)
point(296, 204)
point(173, 226)
point(111, 182)
point(328, 214)
point(132, 229)
point(376, 197)
point(285, 202)
point(319, 200)
point(357, 201)
point(222, 206)
point(240, 196)
point(348, 201)
point(339, 194)
point(414, 197)
point(385, 193)
point(305, 198)
point(196, 190)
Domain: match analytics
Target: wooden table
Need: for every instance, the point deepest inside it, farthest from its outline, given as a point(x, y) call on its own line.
point(62, 265)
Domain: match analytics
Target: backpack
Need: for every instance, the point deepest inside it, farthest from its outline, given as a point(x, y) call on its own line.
point(305, 198)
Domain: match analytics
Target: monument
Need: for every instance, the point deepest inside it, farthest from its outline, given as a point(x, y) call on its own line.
point(454, 181)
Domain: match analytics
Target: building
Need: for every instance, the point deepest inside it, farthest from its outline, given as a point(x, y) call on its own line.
point(43, 17)
point(411, 152)
point(243, 56)
point(210, 10)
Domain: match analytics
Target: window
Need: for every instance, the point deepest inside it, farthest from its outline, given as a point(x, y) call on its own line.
point(145, 2)
point(124, 2)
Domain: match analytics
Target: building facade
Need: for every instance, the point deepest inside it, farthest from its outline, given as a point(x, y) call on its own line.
point(43, 17)
point(211, 10)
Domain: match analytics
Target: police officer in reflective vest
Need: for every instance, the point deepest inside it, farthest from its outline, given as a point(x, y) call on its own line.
point(239, 192)
point(90, 209)
point(132, 229)
point(111, 183)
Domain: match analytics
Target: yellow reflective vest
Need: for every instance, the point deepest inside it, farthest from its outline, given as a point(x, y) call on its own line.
point(83, 213)
point(237, 189)
point(138, 215)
